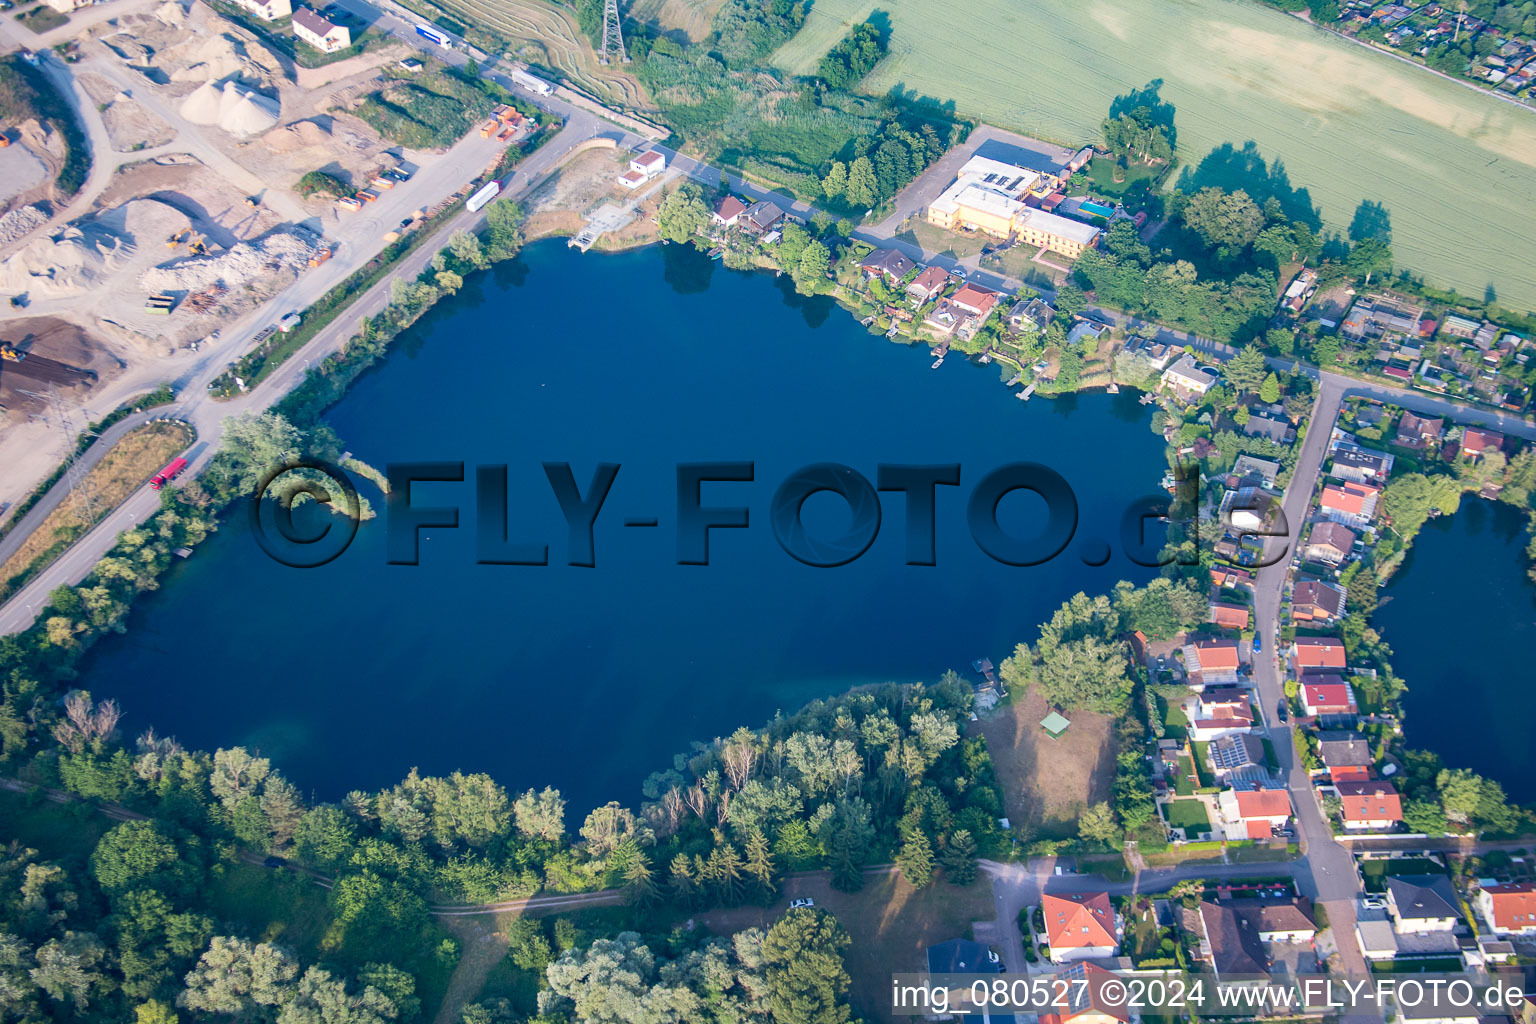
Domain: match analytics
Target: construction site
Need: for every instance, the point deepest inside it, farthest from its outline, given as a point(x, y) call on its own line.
point(199, 133)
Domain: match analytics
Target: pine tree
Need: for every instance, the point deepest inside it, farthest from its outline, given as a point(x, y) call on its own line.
point(727, 873)
point(640, 887)
point(959, 858)
point(916, 859)
point(1269, 391)
point(847, 862)
point(684, 886)
point(759, 866)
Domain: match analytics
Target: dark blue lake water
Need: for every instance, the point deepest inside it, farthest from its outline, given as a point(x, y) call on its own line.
point(1461, 620)
point(590, 678)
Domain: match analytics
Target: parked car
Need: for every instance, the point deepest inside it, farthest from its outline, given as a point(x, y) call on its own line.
point(1258, 646)
point(798, 904)
point(274, 862)
point(1281, 712)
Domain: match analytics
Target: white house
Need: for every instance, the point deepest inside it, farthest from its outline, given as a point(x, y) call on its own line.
point(320, 33)
point(1422, 903)
point(1508, 909)
point(1253, 813)
point(1185, 376)
point(1080, 926)
point(267, 10)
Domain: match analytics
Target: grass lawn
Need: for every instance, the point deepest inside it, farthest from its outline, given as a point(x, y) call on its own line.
point(1045, 780)
point(1189, 815)
point(1184, 785)
point(891, 923)
point(1101, 172)
point(63, 832)
point(936, 239)
point(1175, 721)
point(121, 471)
point(1203, 763)
point(276, 906)
point(42, 18)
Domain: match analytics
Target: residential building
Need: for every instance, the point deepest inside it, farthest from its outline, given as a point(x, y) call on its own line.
point(890, 264)
point(1089, 995)
point(1370, 804)
point(1329, 543)
point(1184, 376)
point(1328, 695)
point(1030, 315)
point(1253, 813)
point(963, 312)
point(1086, 329)
point(1378, 316)
point(1350, 503)
point(320, 33)
point(1158, 353)
point(1278, 431)
point(1080, 926)
point(1317, 654)
point(961, 956)
point(1508, 909)
point(1211, 661)
point(1419, 432)
point(1058, 234)
point(1317, 601)
point(1248, 470)
point(1422, 903)
point(1228, 615)
point(1237, 753)
point(1346, 755)
point(1232, 578)
point(1284, 921)
point(1230, 942)
point(631, 179)
point(266, 10)
point(761, 218)
point(1361, 466)
point(1474, 442)
point(1219, 711)
point(650, 163)
point(928, 284)
point(728, 212)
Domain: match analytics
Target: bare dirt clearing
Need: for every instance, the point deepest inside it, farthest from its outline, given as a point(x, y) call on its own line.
point(51, 338)
point(1047, 782)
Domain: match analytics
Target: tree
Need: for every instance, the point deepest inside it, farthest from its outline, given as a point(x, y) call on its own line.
point(1269, 391)
point(640, 887)
point(1246, 370)
point(66, 970)
point(1222, 218)
point(466, 249)
point(540, 815)
point(325, 837)
point(235, 976)
point(915, 859)
point(1408, 499)
point(862, 189)
point(759, 865)
point(236, 772)
point(138, 855)
point(835, 184)
point(811, 271)
point(682, 215)
point(503, 230)
point(804, 978)
point(1369, 256)
point(1097, 823)
point(959, 858)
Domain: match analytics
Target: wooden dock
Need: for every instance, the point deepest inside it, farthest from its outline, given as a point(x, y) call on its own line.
point(1026, 394)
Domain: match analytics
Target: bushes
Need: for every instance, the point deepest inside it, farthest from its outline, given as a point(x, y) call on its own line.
point(431, 111)
point(853, 58)
point(320, 181)
point(26, 93)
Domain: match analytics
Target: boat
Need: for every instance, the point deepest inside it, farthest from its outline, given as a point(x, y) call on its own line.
point(937, 363)
point(715, 254)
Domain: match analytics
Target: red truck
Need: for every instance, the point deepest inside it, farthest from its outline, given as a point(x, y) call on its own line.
point(167, 474)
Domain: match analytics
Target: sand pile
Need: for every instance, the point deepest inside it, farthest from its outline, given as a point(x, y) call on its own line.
point(88, 253)
point(239, 265)
point(235, 109)
point(19, 222)
point(171, 14)
point(296, 136)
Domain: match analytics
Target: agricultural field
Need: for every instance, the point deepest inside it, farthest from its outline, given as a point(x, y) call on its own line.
point(677, 19)
point(548, 35)
point(1456, 169)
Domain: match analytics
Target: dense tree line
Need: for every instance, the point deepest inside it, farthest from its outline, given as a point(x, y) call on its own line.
point(853, 57)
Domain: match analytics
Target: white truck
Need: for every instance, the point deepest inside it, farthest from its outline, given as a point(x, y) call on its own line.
point(532, 83)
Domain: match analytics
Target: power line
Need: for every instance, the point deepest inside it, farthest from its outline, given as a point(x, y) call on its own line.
point(613, 35)
point(83, 496)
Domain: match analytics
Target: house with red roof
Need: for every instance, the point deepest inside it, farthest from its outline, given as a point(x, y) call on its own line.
point(928, 284)
point(1211, 661)
point(1370, 805)
point(1252, 813)
point(964, 312)
point(1089, 995)
point(1232, 578)
point(1317, 601)
point(728, 211)
point(1080, 926)
point(1474, 442)
point(1317, 654)
point(1349, 502)
point(1219, 711)
point(1228, 615)
point(1328, 695)
point(1508, 909)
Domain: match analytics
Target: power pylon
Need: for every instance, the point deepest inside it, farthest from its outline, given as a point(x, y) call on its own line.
point(86, 507)
point(613, 35)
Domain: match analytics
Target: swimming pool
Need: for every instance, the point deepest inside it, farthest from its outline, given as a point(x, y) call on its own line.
point(1097, 210)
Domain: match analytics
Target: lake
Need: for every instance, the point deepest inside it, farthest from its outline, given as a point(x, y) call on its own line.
point(1462, 621)
point(588, 679)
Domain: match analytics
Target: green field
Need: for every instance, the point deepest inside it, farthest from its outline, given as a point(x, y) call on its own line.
point(1456, 169)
